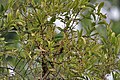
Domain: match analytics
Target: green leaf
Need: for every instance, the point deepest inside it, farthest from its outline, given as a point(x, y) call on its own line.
point(91, 6)
point(58, 37)
point(103, 15)
point(59, 28)
point(1, 8)
point(22, 54)
point(96, 47)
point(82, 40)
point(79, 33)
point(37, 1)
point(100, 6)
point(103, 22)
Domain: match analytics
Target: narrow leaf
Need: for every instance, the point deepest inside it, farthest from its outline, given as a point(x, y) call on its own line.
point(100, 6)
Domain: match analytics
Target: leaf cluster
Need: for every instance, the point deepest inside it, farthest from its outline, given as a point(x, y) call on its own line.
point(31, 47)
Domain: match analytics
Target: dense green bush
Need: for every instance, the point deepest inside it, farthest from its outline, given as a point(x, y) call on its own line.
point(32, 49)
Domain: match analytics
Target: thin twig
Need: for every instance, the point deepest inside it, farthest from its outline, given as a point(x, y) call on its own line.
point(17, 63)
point(45, 76)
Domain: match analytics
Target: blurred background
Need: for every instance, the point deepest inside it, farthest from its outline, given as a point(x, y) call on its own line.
point(112, 10)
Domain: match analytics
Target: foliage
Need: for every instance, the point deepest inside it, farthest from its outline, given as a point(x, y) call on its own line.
point(31, 48)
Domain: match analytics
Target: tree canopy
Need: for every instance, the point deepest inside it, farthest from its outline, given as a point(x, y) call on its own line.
point(33, 47)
